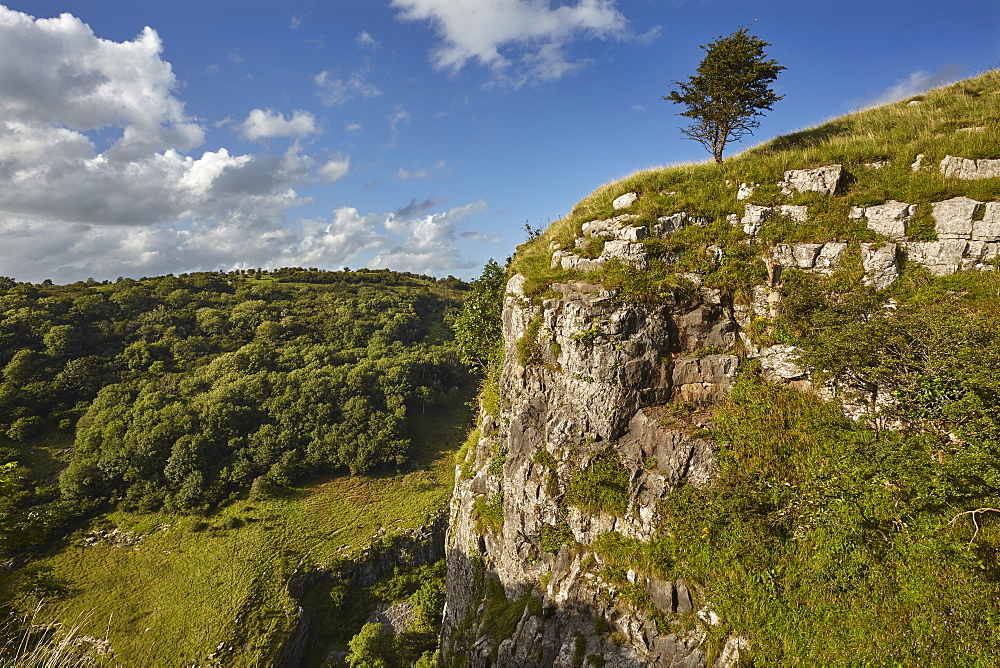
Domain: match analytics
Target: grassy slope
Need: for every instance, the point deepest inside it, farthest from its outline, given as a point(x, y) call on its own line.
point(186, 587)
point(955, 120)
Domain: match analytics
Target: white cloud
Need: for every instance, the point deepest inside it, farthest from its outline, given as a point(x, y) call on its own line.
point(414, 238)
point(295, 22)
point(518, 39)
point(406, 175)
point(918, 82)
point(353, 127)
point(334, 90)
point(261, 124)
point(335, 169)
point(69, 209)
point(399, 116)
point(147, 204)
point(428, 240)
point(365, 40)
point(58, 69)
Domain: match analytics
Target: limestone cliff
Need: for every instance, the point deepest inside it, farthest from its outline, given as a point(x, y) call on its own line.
point(607, 400)
point(602, 374)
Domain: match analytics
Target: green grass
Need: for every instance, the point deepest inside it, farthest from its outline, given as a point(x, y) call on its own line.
point(819, 534)
point(894, 134)
point(181, 591)
point(194, 582)
point(501, 614)
point(602, 486)
point(488, 514)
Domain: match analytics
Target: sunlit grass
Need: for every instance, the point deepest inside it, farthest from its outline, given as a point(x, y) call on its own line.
point(192, 584)
point(958, 120)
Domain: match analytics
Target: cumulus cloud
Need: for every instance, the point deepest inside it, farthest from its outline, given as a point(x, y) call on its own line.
point(60, 84)
point(334, 90)
point(517, 39)
point(142, 203)
point(429, 245)
point(918, 82)
point(412, 238)
point(335, 169)
point(262, 124)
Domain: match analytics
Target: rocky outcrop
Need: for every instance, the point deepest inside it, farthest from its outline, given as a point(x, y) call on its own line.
point(881, 264)
point(625, 201)
point(823, 180)
point(963, 168)
point(754, 216)
point(597, 387)
point(889, 218)
point(422, 545)
point(821, 258)
point(594, 385)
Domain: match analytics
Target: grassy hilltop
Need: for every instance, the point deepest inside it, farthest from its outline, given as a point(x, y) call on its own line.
point(822, 540)
point(958, 120)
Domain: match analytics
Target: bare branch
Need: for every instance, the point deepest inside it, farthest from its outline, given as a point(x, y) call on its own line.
point(973, 513)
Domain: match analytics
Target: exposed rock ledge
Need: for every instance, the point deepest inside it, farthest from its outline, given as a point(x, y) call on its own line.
point(607, 369)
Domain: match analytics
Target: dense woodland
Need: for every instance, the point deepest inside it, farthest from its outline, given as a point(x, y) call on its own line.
point(186, 391)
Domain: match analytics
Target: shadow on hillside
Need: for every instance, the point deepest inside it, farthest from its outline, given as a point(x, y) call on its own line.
point(808, 138)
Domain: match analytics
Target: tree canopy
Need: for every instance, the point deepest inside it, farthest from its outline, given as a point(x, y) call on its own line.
point(479, 325)
point(728, 92)
point(185, 391)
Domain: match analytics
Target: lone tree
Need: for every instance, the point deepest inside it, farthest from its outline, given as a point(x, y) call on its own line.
point(728, 92)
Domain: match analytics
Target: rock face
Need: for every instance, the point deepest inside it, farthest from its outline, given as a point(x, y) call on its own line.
point(625, 201)
point(821, 258)
point(881, 264)
point(754, 215)
point(953, 217)
point(599, 386)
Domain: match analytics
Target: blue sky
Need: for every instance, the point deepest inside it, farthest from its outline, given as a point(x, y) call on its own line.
point(141, 138)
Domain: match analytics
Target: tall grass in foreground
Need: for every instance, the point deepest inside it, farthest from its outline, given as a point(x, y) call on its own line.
point(28, 644)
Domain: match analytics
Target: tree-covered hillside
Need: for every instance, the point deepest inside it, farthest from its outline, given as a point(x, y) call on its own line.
point(187, 391)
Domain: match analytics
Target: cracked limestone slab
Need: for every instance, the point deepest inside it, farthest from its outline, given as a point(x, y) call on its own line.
point(953, 217)
point(828, 258)
point(610, 227)
point(941, 258)
point(966, 169)
point(822, 180)
point(625, 201)
point(880, 264)
point(988, 229)
point(889, 218)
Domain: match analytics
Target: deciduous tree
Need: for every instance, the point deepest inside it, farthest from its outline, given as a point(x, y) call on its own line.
point(728, 92)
